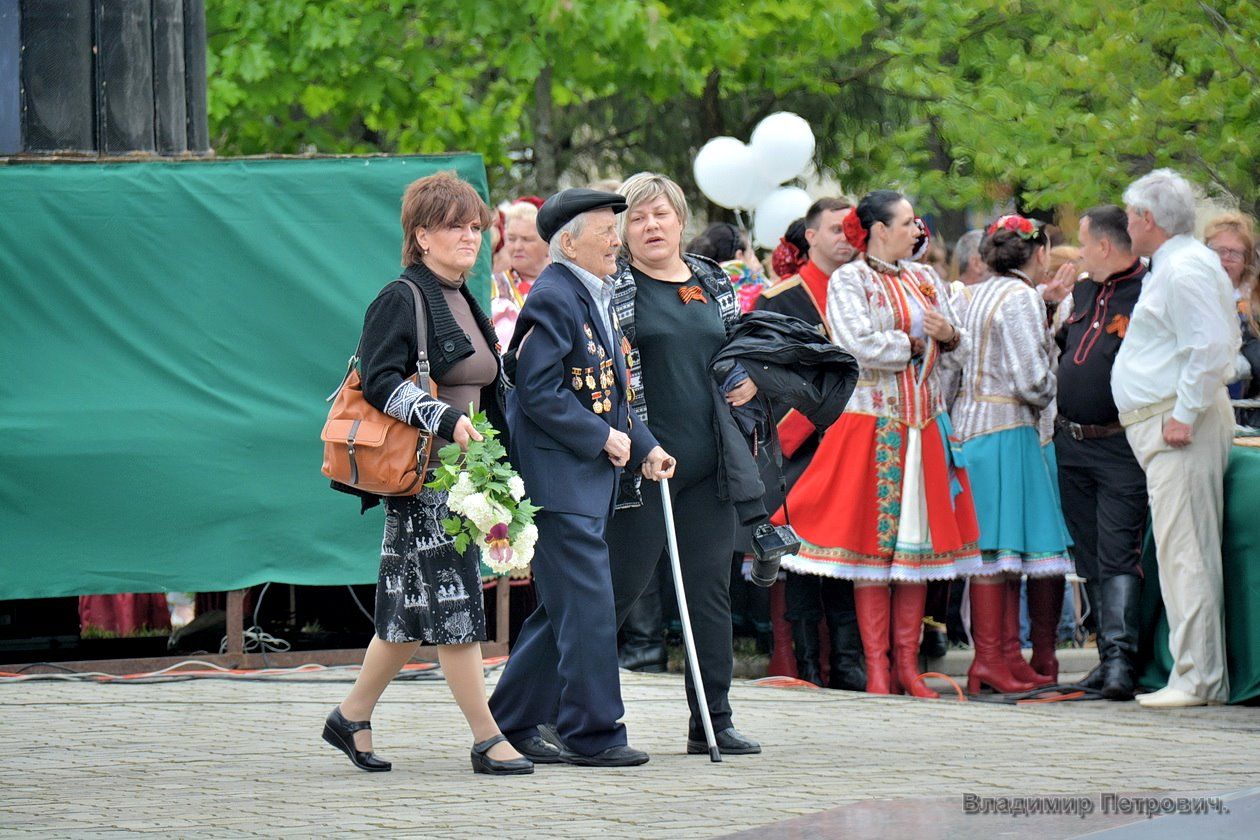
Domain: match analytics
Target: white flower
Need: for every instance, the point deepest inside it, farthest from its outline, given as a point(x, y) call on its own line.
point(527, 537)
point(481, 512)
point(516, 487)
point(462, 490)
point(523, 546)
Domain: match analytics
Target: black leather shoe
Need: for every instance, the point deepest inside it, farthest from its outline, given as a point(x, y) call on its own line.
point(538, 751)
point(620, 756)
point(340, 733)
point(547, 731)
point(730, 741)
point(483, 763)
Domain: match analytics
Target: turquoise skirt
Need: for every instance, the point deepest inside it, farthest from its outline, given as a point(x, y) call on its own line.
point(1015, 485)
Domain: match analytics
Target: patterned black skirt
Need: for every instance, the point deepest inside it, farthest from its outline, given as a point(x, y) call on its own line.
point(426, 591)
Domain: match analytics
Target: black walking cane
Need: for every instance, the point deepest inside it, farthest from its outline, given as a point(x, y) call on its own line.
point(689, 641)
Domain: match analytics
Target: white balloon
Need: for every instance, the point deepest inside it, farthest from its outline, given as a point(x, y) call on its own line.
point(783, 144)
point(723, 168)
point(759, 187)
point(778, 210)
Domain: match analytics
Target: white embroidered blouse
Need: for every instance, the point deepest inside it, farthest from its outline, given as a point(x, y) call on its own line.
point(871, 315)
point(1008, 377)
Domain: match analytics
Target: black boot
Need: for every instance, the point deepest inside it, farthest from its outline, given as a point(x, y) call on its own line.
point(935, 644)
point(643, 634)
point(1093, 593)
point(847, 672)
point(1118, 624)
point(805, 645)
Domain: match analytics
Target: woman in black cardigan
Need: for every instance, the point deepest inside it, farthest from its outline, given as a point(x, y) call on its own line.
point(426, 591)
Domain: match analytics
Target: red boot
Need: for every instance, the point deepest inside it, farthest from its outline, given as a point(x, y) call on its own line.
point(872, 613)
point(1045, 606)
point(1011, 650)
point(988, 603)
point(909, 600)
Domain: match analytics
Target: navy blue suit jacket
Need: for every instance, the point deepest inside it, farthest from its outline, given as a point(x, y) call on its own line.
point(557, 436)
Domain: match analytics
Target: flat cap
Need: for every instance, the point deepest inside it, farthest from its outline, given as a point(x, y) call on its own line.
point(558, 210)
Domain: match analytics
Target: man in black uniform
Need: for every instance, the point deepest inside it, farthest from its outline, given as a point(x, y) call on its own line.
point(810, 597)
point(1102, 486)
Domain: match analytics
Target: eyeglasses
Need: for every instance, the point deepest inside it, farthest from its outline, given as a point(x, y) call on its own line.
point(1235, 254)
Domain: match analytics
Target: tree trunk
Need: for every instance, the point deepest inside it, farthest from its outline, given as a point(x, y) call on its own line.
point(545, 169)
point(712, 124)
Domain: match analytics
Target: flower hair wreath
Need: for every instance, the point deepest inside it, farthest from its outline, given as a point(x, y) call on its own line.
point(1024, 227)
point(853, 230)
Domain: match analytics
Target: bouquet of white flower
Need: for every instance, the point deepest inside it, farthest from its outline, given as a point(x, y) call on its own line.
point(488, 498)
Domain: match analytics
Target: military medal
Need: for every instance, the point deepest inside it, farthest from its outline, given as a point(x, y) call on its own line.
point(607, 404)
point(590, 348)
point(587, 329)
point(597, 405)
point(599, 351)
point(590, 379)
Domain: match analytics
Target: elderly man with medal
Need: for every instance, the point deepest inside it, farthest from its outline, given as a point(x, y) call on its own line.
point(572, 434)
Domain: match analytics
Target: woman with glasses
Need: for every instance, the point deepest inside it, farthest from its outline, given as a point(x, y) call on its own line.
point(1232, 236)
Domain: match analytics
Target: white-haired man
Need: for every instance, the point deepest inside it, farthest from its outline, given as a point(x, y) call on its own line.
point(1169, 386)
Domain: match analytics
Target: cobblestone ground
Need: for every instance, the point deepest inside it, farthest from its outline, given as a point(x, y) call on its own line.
point(245, 759)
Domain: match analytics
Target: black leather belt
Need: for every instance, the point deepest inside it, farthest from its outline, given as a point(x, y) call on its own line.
point(1082, 431)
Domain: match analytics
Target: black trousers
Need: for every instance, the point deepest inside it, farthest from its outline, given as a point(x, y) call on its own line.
point(706, 536)
point(1103, 492)
point(563, 667)
point(810, 597)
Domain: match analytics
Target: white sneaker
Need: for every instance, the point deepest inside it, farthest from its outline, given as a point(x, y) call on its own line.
point(1171, 698)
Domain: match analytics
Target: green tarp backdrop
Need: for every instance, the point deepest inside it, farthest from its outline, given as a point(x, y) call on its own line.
point(169, 332)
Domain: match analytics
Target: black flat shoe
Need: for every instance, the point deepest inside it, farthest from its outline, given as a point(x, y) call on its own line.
point(538, 751)
point(730, 741)
point(620, 756)
point(483, 763)
point(340, 733)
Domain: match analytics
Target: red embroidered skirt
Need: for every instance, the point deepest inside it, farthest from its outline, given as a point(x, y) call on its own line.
point(882, 501)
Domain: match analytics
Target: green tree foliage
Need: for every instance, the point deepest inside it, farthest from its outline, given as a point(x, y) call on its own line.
point(957, 101)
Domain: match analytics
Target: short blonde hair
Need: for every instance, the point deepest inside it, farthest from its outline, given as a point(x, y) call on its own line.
point(647, 186)
point(520, 211)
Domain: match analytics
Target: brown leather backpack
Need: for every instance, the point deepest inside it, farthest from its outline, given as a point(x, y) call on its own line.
point(367, 449)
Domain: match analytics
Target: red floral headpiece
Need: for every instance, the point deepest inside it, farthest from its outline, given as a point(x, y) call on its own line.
point(1026, 228)
point(853, 230)
point(786, 259)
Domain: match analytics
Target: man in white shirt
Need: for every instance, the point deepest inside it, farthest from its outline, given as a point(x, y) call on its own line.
point(1169, 386)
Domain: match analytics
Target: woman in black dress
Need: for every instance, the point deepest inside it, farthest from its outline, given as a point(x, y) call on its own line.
point(676, 310)
point(426, 591)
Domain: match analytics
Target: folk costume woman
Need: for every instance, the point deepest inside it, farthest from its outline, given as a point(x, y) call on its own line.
point(885, 501)
point(1006, 395)
point(427, 591)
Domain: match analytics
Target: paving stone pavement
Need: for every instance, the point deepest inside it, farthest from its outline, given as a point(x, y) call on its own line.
point(240, 759)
